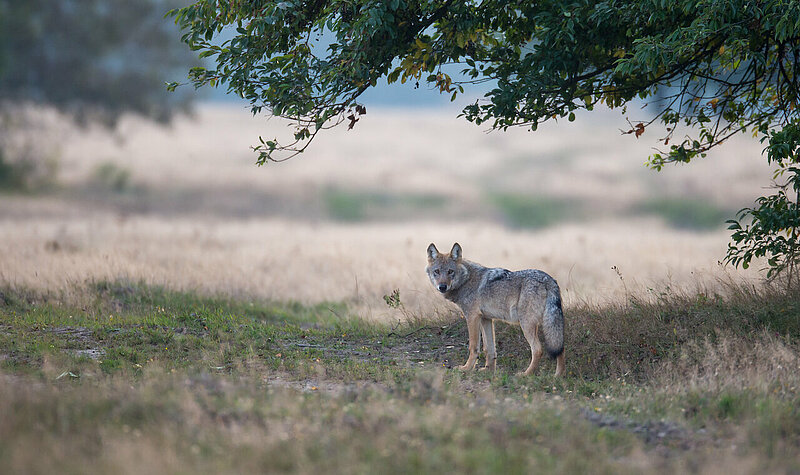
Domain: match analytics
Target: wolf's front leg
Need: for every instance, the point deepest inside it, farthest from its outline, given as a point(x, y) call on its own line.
point(482, 339)
point(474, 329)
point(487, 330)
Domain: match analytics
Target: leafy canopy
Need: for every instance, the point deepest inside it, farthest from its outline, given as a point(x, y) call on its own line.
point(713, 68)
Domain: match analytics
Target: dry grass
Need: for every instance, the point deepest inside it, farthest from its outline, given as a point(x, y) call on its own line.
point(665, 382)
point(188, 423)
point(188, 209)
point(659, 340)
point(764, 363)
point(416, 151)
point(358, 263)
point(167, 424)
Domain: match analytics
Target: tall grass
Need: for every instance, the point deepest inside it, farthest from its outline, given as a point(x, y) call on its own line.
point(668, 381)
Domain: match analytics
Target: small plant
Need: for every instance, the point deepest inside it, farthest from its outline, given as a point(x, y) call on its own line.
point(393, 301)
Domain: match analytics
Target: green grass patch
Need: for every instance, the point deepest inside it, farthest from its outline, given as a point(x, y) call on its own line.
point(529, 211)
point(632, 339)
point(131, 324)
point(353, 206)
point(686, 213)
point(110, 177)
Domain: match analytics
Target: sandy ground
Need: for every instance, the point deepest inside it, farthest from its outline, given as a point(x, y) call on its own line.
point(55, 242)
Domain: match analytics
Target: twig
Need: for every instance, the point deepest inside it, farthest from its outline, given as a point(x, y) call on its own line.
point(392, 333)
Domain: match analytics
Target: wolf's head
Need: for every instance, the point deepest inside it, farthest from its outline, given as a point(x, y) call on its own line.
point(446, 271)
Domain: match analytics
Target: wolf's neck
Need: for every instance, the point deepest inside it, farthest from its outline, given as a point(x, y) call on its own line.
point(470, 286)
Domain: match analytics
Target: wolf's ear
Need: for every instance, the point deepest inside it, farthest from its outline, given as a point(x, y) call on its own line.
point(455, 253)
point(433, 253)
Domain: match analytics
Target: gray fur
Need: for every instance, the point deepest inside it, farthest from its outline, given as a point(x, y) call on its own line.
point(529, 298)
point(553, 325)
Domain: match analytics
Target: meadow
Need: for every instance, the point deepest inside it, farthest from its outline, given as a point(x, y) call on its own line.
point(166, 306)
point(185, 207)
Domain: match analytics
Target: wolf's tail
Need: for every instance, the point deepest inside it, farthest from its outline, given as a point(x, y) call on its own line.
point(553, 322)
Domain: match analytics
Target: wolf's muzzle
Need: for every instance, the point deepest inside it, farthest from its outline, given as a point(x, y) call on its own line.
point(442, 288)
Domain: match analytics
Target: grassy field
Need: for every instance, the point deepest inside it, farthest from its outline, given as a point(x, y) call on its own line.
point(144, 379)
point(184, 207)
point(166, 307)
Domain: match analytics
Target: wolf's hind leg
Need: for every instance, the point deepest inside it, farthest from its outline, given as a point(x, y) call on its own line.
point(474, 328)
point(487, 329)
point(560, 365)
point(531, 332)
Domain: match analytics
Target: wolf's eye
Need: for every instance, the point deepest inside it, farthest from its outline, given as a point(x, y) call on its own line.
point(436, 272)
point(450, 272)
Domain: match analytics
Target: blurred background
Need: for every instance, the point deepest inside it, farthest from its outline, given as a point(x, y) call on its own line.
point(105, 175)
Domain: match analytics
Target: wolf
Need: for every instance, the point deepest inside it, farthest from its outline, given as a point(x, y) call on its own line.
point(529, 298)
